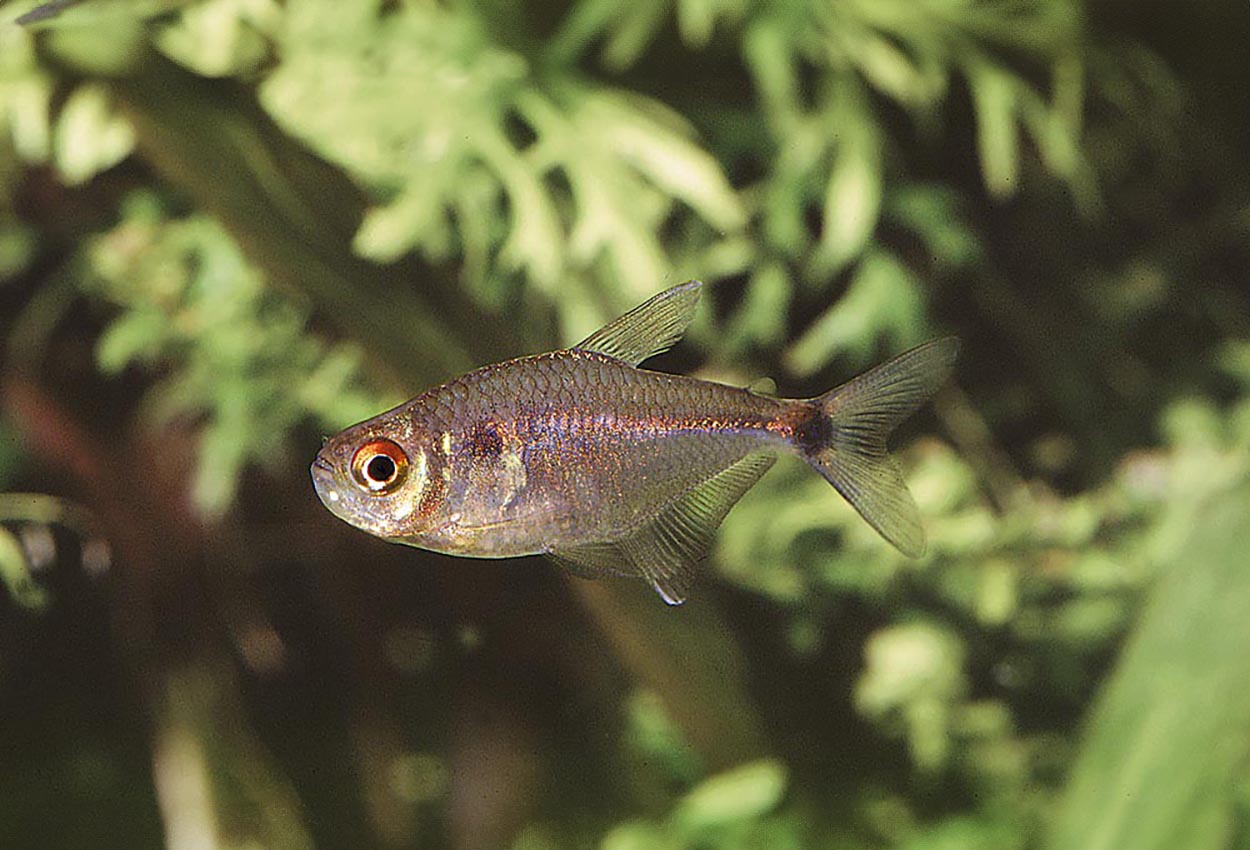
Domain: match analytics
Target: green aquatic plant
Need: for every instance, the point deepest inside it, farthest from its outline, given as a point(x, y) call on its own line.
point(231, 227)
point(245, 363)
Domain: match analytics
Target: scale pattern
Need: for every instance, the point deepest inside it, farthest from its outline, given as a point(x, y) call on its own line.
point(571, 447)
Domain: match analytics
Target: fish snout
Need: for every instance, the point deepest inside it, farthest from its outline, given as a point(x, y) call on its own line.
point(325, 482)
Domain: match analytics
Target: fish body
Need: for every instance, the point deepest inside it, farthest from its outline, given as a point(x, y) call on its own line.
point(608, 468)
point(564, 449)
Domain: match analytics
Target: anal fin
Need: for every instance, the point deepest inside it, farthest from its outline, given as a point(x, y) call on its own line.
point(593, 560)
point(665, 550)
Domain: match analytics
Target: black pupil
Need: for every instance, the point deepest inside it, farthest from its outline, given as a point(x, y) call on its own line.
point(380, 468)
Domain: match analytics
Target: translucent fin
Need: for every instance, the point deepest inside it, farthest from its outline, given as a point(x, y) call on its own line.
point(861, 414)
point(594, 560)
point(763, 386)
point(665, 550)
point(650, 328)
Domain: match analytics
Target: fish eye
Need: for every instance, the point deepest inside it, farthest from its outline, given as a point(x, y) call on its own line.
point(380, 466)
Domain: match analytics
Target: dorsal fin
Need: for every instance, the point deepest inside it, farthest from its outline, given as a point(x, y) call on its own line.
point(650, 328)
point(666, 549)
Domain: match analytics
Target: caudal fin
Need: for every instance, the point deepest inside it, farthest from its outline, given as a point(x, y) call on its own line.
point(861, 414)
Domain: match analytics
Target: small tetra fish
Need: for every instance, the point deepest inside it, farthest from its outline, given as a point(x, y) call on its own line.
point(610, 469)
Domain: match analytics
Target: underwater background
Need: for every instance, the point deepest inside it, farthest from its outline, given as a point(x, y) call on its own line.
point(231, 228)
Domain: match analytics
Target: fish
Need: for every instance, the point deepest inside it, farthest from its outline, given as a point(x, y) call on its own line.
point(609, 469)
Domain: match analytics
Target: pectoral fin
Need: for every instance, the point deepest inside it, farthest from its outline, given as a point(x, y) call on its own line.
point(650, 328)
point(666, 549)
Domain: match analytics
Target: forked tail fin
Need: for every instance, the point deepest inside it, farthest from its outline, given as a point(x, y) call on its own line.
point(860, 415)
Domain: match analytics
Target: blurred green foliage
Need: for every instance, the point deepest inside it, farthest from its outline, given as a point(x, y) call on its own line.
point(1063, 668)
point(1174, 709)
point(246, 364)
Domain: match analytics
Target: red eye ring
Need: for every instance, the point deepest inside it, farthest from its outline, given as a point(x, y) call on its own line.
point(380, 466)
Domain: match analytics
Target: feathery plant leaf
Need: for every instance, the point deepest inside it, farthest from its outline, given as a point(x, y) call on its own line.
point(245, 362)
point(581, 175)
point(884, 300)
point(80, 132)
point(626, 29)
point(218, 38)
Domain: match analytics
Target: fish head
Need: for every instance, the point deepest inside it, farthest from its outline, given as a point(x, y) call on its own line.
point(381, 477)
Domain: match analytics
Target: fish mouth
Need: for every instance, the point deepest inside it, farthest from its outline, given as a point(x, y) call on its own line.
point(324, 482)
